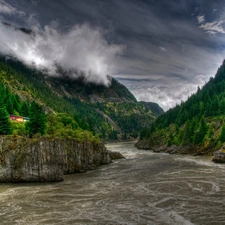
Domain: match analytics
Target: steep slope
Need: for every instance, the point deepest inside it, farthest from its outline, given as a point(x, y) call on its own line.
point(106, 111)
point(195, 126)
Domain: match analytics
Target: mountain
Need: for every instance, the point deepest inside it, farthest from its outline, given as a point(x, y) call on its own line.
point(196, 126)
point(111, 112)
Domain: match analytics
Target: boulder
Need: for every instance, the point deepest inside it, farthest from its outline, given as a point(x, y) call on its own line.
point(219, 156)
point(116, 155)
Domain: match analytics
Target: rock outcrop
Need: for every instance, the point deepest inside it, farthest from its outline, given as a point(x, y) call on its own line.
point(47, 159)
point(219, 156)
point(116, 155)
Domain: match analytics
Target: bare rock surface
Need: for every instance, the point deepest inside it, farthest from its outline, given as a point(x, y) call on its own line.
point(47, 159)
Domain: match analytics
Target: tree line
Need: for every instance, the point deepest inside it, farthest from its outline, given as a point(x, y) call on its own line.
point(197, 121)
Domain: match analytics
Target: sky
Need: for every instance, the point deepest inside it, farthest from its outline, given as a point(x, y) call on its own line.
point(160, 50)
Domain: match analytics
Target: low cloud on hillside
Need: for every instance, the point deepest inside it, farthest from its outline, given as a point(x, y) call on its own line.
point(82, 50)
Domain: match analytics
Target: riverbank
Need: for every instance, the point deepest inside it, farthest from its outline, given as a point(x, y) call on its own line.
point(188, 149)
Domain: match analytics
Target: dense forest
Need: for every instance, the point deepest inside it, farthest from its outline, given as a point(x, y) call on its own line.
point(198, 122)
point(39, 123)
point(111, 113)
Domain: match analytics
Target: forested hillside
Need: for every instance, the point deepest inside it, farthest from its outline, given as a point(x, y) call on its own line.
point(38, 123)
point(112, 112)
point(197, 124)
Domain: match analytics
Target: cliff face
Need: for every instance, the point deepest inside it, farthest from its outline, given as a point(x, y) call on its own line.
point(46, 159)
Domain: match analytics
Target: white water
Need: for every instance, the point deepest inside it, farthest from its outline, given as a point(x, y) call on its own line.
point(144, 188)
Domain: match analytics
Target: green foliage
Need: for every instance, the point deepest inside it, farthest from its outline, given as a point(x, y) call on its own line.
point(75, 98)
point(4, 121)
point(197, 120)
point(37, 122)
point(222, 134)
point(64, 126)
point(113, 135)
point(201, 132)
point(210, 133)
point(19, 128)
point(131, 116)
point(187, 133)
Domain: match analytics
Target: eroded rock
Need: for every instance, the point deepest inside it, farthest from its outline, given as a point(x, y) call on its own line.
point(47, 159)
point(116, 155)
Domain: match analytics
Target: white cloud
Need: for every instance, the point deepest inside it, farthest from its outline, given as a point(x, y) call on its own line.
point(6, 8)
point(162, 49)
point(200, 80)
point(214, 27)
point(81, 51)
point(154, 90)
point(201, 19)
point(167, 96)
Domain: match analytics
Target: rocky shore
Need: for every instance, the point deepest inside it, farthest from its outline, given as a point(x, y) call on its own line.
point(47, 159)
point(174, 149)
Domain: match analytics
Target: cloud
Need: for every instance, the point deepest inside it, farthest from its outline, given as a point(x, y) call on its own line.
point(6, 8)
point(199, 80)
point(150, 72)
point(201, 19)
point(214, 27)
point(82, 51)
point(154, 90)
point(167, 96)
point(162, 49)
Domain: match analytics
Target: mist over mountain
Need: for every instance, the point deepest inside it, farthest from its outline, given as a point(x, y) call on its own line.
point(161, 50)
point(111, 112)
point(81, 51)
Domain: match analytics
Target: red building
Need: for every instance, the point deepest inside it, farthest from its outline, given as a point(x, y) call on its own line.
point(19, 118)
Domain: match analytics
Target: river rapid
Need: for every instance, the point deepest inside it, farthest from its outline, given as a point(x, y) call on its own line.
point(144, 188)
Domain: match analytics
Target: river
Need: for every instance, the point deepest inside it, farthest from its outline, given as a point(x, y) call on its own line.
point(145, 188)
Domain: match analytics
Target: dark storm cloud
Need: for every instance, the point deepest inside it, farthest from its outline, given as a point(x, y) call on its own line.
point(171, 47)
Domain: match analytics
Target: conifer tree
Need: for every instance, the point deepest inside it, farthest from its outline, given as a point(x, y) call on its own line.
point(37, 122)
point(222, 106)
point(187, 133)
point(201, 132)
point(24, 111)
point(222, 134)
point(210, 133)
point(4, 121)
point(9, 106)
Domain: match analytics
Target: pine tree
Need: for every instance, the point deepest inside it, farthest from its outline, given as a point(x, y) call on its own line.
point(24, 111)
point(4, 121)
point(222, 106)
point(169, 142)
point(215, 106)
point(222, 134)
point(9, 106)
point(187, 133)
point(37, 122)
point(201, 132)
point(210, 133)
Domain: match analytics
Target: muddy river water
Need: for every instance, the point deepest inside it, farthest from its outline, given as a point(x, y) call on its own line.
point(144, 188)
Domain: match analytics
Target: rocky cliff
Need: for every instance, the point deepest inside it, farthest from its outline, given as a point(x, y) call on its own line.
point(47, 159)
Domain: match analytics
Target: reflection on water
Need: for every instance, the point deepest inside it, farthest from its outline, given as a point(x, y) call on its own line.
point(144, 188)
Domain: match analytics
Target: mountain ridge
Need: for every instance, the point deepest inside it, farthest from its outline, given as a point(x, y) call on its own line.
point(196, 126)
point(80, 100)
